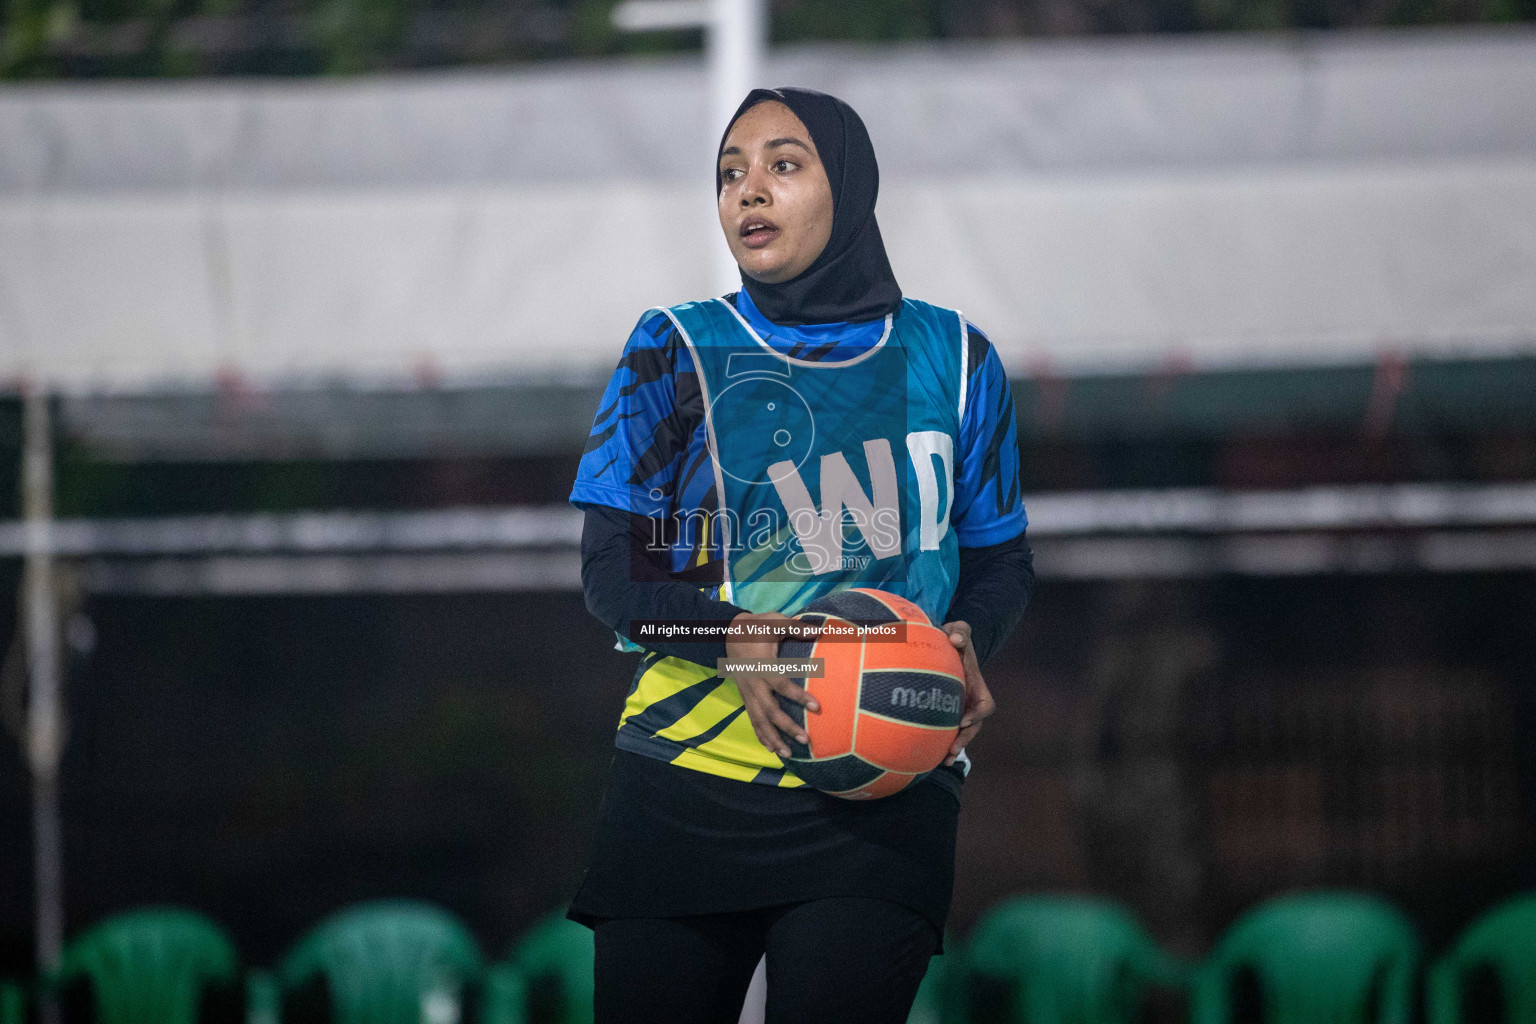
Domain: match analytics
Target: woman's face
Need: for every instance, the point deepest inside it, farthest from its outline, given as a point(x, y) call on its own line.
point(775, 203)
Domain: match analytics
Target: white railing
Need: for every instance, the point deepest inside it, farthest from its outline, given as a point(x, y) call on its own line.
point(1180, 532)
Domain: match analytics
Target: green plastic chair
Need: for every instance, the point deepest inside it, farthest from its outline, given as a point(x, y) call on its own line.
point(555, 958)
point(1318, 958)
point(149, 965)
point(1503, 939)
point(152, 964)
point(1065, 960)
point(505, 999)
point(388, 962)
point(13, 1003)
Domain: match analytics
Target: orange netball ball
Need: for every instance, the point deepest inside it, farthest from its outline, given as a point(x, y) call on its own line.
point(889, 711)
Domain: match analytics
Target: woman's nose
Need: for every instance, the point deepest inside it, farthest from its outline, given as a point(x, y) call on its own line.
point(752, 190)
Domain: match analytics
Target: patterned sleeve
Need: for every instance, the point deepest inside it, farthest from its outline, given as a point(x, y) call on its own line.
point(643, 424)
point(989, 507)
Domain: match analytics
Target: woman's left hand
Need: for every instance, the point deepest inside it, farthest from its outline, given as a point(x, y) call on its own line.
point(978, 699)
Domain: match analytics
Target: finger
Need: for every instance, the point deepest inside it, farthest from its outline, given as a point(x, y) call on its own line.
point(979, 705)
point(975, 683)
point(786, 725)
point(968, 730)
point(960, 638)
point(962, 741)
point(978, 702)
point(767, 735)
point(795, 692)
point(765, 702)
point(780, 685)
point(983, 707)
point(756, 698)
point(772, 724)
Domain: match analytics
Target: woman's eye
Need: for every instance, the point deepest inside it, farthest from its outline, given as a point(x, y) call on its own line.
point(783, 166)
point(730, 174)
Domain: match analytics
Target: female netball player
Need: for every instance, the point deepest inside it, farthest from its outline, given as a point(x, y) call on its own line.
point(813, 431)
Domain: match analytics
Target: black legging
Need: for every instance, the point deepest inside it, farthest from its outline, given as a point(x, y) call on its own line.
point(846, 960)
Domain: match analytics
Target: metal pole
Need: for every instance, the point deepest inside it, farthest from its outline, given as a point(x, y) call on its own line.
point(735, 41)
point(734, 46)
point(45, 734)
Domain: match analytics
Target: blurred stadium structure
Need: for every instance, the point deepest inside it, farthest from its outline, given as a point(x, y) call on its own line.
point(322, 357)
point(1138, 206)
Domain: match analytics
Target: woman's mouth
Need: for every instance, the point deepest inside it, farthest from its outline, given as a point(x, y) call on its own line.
point(757, 232)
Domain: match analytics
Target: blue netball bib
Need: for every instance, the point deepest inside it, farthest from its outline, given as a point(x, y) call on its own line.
point(832, 474)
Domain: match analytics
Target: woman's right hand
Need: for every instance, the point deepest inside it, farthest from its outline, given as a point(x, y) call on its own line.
point(760, 693)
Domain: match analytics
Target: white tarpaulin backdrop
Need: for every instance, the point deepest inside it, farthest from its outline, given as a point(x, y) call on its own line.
point(1092, 206)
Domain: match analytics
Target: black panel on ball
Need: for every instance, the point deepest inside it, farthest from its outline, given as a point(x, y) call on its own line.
point(837, 774)
point(922, 698)
point(796, 714)
point(846, 604)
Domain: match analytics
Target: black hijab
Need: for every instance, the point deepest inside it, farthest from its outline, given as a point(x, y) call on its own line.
point(851, 279)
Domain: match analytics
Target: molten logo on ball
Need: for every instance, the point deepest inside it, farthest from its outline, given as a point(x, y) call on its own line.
point(934, 699)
